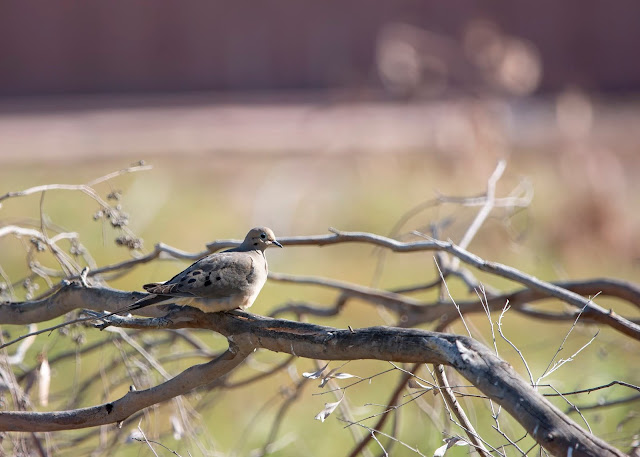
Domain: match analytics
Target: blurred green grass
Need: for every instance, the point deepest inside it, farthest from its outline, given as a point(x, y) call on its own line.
point(187, 202)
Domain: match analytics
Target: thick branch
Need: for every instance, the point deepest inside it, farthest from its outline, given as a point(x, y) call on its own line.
point(491, 375)
point(69, 297)
point(494, 377)
point(119, 410)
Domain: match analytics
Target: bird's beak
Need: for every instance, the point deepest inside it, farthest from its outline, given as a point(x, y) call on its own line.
point(276, 243)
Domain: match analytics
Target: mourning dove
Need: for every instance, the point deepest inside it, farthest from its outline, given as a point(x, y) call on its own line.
point(221, 281)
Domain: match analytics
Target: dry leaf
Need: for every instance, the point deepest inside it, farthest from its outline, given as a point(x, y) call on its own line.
point(315, 374)
point(176, 425)
point(450, 442)
point(344, 376)
point(44, 381)
point(328, 409)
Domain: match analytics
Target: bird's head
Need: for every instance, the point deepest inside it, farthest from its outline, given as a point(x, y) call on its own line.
point(261, 238)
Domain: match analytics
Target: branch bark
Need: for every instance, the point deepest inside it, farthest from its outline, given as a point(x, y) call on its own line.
point(69, 297)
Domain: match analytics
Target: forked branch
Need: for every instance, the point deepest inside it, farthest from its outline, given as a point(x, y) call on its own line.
point(246, 332)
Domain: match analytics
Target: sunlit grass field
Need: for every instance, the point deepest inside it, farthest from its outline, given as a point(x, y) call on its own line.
point(582, 223)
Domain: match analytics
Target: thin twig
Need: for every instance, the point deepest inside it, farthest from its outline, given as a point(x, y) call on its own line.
point(402, 443)
point(548, 370)
point(45, 330)
point(511, 442)
point(385, 415)
point(605, 404)
point(515, 348)
point(570, 359)
point(593, 389)
point(574, 408)
point(86, 188)
point(446, 287)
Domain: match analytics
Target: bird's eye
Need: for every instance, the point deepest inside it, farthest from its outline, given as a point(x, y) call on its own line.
point(263, 236)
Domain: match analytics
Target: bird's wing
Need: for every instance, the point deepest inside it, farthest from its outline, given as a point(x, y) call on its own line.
point(216, 276)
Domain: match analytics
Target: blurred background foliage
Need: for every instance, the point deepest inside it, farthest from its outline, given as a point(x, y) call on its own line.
point(301, 117)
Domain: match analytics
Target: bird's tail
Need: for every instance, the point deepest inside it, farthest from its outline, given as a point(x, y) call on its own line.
point(149, 300)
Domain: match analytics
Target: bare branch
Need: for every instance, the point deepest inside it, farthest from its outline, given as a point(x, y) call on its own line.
point(391, 300)
point(630, 292)
point(474, 361)
point(135, 400)
point(605, 404)
point(243, 382)
point(593, 389)
point(515, 348)
point(499, 382)
point(413, 312)
point(409, 310)
point(484, 211)
point(85, 188)
point(69, 297)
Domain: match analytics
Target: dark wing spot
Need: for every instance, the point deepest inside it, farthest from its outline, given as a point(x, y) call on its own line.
point(196, 272)
point(255, 244)
point(184, 278)
point(207, 267)
point(250, 275)
point(207, 283)
point(192, 280)
point(109, 407)
point(218, 278)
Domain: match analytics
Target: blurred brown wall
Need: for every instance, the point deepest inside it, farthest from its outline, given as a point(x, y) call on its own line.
point(90, 46)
